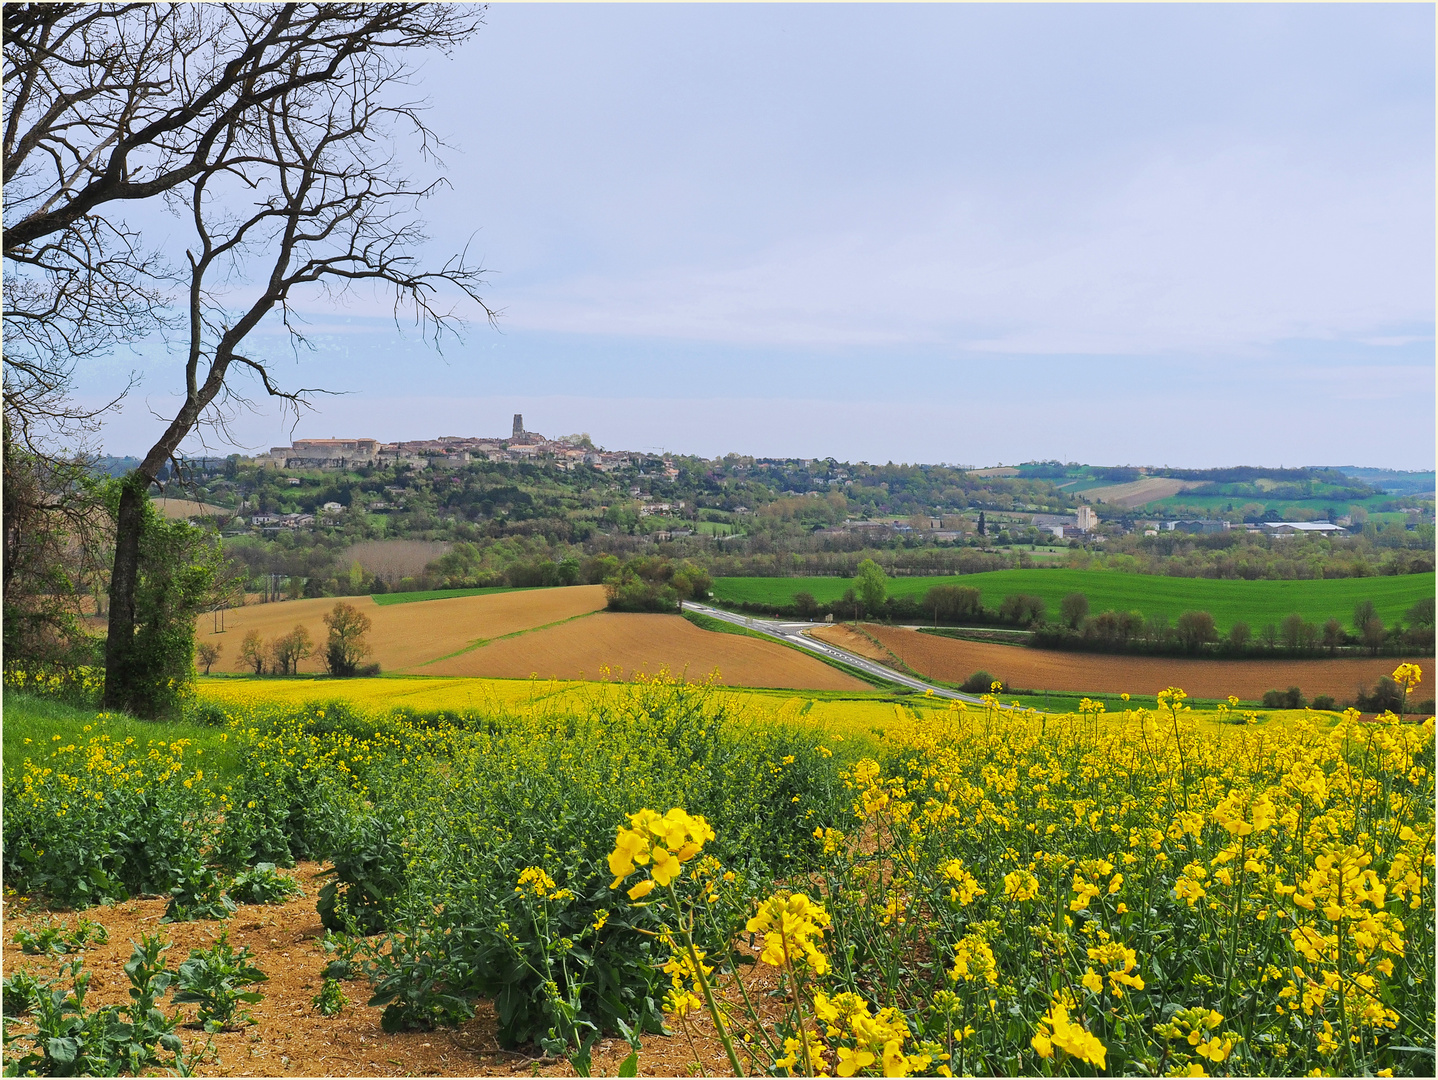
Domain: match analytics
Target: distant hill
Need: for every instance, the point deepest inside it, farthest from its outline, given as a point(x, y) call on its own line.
point(1391, 481)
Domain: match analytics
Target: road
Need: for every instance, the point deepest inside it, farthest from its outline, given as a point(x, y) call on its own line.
point(792, 633)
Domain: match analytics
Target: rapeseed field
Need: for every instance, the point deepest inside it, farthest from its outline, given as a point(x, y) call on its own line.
point(935, 888)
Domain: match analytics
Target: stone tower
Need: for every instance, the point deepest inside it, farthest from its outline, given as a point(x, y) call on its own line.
point(518, 426)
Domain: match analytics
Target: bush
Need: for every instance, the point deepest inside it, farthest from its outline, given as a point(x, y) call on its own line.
point(1387, 696)
point(1292, 698)
point(980, 682)
point(1324, 703)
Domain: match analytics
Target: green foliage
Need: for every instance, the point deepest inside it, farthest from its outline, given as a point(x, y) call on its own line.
point(70, 1040)
point(872, 585)
point(52, 937)
point(214, 979)
point(1253, 602)
point(1292, 698)
point(179, 568)
point(197, 893)
point(980, 682)
point(263, 884)
point(331, 999)
point(368, 874)
point(651, 583)
point(346, 645)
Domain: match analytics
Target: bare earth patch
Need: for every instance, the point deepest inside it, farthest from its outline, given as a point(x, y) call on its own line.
point(1040, 669)
point(290, 1037)
point(629, 645)
point(405, 636)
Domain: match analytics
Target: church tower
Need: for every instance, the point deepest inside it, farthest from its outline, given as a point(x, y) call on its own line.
point(518, 426)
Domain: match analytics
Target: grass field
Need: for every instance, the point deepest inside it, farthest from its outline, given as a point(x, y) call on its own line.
point(385, 599)
point(1254, 602)
point(34, 725)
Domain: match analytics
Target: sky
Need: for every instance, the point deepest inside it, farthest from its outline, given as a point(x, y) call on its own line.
point(1186, 235)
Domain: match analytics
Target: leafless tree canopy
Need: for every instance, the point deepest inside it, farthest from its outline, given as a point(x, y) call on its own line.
point(289, 106)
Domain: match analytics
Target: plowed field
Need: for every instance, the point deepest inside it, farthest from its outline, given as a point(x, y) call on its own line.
point(405, 636)
point(629, 645)
point(1034, 669)
point(1141, 492)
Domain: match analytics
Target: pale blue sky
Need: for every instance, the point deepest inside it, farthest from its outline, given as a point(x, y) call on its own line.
point(1177, 234)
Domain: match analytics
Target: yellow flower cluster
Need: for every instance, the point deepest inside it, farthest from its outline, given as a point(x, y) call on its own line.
point(791, 924)
point(534, 882)
point(1057, 1031)
point(663, 842)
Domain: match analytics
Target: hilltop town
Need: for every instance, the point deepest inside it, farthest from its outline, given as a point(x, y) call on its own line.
point(569, 451)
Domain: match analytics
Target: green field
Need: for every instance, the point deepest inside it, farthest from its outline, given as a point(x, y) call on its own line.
point(1254, 602)
point(435, 594)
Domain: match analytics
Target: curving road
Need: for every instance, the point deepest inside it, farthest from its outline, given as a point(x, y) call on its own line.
point(792, 633)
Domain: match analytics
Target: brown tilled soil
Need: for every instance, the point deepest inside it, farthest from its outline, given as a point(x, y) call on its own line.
point(290, 1037)
point(404, 636)
point(633, 644)
point(954, 661)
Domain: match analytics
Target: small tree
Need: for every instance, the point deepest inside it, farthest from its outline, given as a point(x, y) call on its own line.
point(206, 653)
point(1074, 609)
point(872, 585)
point(290, 649)
point(805, 605)
point(952, 602)
point(1195, 629)
point(346, 646)
point(1239, 635)
point(1333, 634)
point(1291, 630)
point(1373, 634)
point(253, 653)
point(1362, 613)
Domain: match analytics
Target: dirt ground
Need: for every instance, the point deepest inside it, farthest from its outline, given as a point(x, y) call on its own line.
point(632, 644)
point(404, 636)
point(290, 1037)
point(1034, 669)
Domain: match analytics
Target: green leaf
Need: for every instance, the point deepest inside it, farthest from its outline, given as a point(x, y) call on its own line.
point(630, 1065)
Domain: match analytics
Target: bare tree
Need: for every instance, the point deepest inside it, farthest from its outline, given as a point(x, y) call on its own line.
point(272, 130)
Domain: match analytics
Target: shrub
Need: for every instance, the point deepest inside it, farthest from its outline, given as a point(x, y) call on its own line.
point(1292, 698)
point(980, 682)
point(1324, 702)
point(1386, 696)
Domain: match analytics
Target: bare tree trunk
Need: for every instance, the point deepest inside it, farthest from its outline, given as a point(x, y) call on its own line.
point(124, 576)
